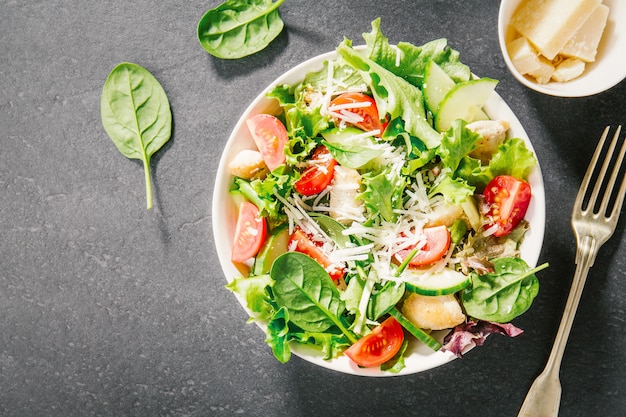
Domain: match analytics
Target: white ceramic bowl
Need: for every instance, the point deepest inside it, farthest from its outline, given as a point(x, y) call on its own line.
point(419, 357)
point(608, 69)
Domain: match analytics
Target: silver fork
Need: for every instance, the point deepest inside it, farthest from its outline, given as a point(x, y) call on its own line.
point(592, 228)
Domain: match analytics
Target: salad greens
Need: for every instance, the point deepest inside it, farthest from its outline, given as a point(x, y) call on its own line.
point(136, 115)
point(504, 294)
point(238, 28)
point(411, 178)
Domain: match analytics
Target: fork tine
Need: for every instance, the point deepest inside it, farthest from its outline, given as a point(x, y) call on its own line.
point(605, 166)
point(584, 187)
point(619, 199)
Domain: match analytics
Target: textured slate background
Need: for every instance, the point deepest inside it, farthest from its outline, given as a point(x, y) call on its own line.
point(109, 309)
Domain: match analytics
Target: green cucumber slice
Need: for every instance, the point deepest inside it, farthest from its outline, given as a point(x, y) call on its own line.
point(274, 246)
point(419, 334)
point(445, 282)
point(470, 208)
point(462, 102)
point(341, 135)
point(436, 85)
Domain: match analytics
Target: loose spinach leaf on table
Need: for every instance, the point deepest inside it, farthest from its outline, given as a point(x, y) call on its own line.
point(238, 28)
point(136, 115)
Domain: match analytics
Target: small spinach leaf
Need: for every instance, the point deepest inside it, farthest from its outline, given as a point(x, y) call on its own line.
point(238, 28)
point(353, 155)
point(504, 294)
point(136, 115)
point(384, 300)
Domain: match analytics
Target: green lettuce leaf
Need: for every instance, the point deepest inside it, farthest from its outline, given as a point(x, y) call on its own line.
point(394, 96)
point(253, 291)
point(456, 143)
point(454, 190)
point(413, 59)
point(513, 158)
point(383, 193)
point(277, 335)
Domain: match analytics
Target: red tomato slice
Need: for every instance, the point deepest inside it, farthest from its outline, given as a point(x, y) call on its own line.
point(508, 199)
point(318, 175)
point(270, 136)
point(369, 114)
point(379, 346)
point(301, 242)
point(437, 244)
point(250, 233)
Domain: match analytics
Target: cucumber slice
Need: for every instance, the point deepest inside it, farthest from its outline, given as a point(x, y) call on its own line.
point(470, 208)
point(274, 246)
point(445, 282)
point(477, 113)
point(462, 100)
point(419, 334)
point(436, 85)
point(341, 136)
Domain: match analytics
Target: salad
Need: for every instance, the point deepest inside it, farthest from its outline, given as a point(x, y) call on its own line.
point(382, 204)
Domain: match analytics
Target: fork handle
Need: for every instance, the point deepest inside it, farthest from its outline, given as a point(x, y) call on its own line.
point(544, 396)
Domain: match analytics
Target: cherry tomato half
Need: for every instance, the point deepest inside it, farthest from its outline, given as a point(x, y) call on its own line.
point(379, 346)
point(301, 242)
point(365, 108)
point(437, 244)
point(250, 233)
point(508, 199)
point(318, 175)
point(270, 137)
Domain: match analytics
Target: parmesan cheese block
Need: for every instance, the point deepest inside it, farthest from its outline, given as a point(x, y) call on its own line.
point(543, 74)
point(584, 43)
point(568, 70)
point(523, 55)
point(549, 24)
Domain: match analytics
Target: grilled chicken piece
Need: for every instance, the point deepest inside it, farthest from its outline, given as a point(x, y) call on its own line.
point(493, 133)
point(248, 164)
point(346, 186)
point(433, 312)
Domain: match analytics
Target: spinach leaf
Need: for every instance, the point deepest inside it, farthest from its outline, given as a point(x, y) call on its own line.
point(238, 28)
point(504, 294)
point(353, 155)
point(384, 299)
point(307, 291)
point(136, 115)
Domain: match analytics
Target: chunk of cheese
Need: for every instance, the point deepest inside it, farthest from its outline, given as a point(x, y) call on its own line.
point(568, 69)
point(549, 24)
point(584, 43)
point(543, 74)
point(523, 55)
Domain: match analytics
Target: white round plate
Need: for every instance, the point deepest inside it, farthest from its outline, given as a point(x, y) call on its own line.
point(607, 71)
point(419, 357)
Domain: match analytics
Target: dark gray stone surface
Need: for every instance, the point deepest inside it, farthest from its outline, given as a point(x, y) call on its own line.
point(109, 309)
